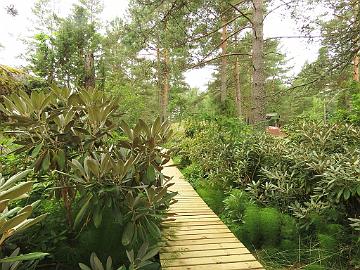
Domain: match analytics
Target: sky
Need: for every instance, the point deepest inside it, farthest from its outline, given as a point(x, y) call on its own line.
point(14, 30)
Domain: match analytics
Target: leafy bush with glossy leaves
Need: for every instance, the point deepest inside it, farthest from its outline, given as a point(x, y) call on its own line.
point(66, 135)
point(17, 219)
point(312, 174)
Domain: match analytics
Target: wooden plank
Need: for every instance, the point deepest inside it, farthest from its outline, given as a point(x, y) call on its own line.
point(190, 211)
point(191, 223)
point(228, 266)
point(182, 237)
point(200, 241)
point(203, 253)
point(196, 232)
point(167, 249)
point(210, 260)
point(195, 218)
point(199, 228)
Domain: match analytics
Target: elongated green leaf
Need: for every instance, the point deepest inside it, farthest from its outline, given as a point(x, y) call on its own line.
point(46, 162)
point(109, 263)
point(150, 174)
point(26, 209)
point(35, 152)
point(128, 233)
point(84, 267)
point(126, 129)
point(142, 250)
point(97, 216)
point(153, 229)
point(93, 166)
point(15, 221)
point(3, 205)
point(145, 127)
point(30, 222)
point(16, 191)
point(77, 166)
point(60, 159)
point(150, 254)
point(12, 180)
point(347, 194)
point(25, 257)
point(155, 127)
point(82, 211)
point(98, 263)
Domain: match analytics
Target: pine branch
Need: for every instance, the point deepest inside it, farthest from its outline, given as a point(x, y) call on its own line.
point(217, 58)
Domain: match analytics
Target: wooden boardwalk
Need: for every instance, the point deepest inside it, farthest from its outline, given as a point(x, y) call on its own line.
point(197, 238)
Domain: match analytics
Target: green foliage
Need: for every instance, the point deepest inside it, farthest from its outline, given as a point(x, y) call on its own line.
point(328, 248)
point(213, 196)
point(350, 114)
point(288, 228)
point(303, 185)
point(11, 79)
point(66, 136)
point(270, 226)
point(315, 267)
point(252, 227)
point(235, 205)
point(192, 172)
point(209, 143)
point(17, 219)
point(66, 53)
point(141, 260)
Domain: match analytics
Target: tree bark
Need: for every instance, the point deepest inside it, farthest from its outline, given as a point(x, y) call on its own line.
point(159, 77)
point(223, 67)
point(356, 68)
point(165, 85)
point(238, 88)
point(89, 80)
point(258, 78)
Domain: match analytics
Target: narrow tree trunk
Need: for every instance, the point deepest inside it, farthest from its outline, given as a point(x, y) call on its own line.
point(159, 75)
point(165, 86)
point(102, 72)
point(68, 80)
point(89, 80)
point(223, 68)
point(238, 88)
point(258, 79)
point(356, 68)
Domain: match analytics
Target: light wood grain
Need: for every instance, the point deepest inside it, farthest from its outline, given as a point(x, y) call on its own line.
point(194, 238)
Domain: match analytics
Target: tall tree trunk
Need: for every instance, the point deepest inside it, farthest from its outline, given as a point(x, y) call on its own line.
point(238, 88)
point(89, 80)
point(224, 34)
point(356, 68)
point(258, 78)
point(159, 76)
point(165, 85)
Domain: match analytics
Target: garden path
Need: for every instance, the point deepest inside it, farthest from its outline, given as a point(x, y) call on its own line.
point(195, 238)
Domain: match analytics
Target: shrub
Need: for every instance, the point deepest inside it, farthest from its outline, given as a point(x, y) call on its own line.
point(17, 219)
point(235, 205)
point(193, 173)
point(312, 174)
point(252, 225)
point(65, 135)
point(213, 196)
point(288, 228)
point(328, 248)
point(270, 225)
